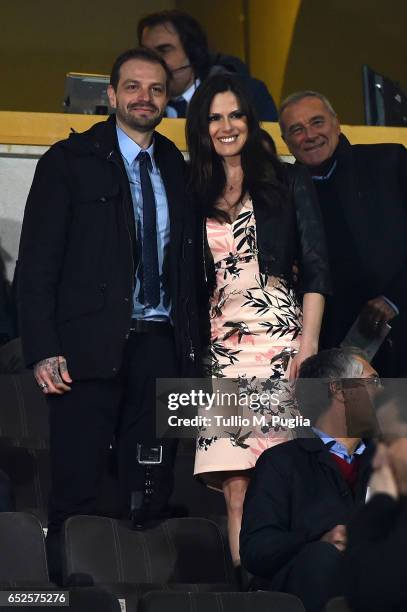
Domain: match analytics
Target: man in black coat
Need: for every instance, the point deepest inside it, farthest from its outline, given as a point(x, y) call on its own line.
point(303, 492)
point(362, 191)
point(105, 292)
point(183, 44)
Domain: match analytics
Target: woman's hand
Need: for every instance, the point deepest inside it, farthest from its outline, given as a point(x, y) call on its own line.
point(313, 308)
point(306, 350)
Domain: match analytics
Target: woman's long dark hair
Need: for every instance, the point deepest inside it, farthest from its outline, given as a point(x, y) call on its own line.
point(262, 171)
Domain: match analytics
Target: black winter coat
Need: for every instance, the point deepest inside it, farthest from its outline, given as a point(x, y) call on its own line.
point(78, 254)
point(296, 494)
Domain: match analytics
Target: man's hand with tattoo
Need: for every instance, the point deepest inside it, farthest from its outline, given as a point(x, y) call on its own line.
point(52, 375)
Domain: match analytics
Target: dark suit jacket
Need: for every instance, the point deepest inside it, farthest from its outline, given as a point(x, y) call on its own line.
point(370, 182)
point(297, 493)
point(78, 254)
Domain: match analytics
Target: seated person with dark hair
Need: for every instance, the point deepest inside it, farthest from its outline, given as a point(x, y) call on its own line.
point(376, 554)
point(182, 42)
point(303, 492)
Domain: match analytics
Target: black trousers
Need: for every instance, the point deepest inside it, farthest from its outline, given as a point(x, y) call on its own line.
point(84, 423)
point(315, 575)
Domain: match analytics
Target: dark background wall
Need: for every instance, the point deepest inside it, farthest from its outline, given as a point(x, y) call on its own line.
point(42, 40)
point(289, 44)
point(331, 42)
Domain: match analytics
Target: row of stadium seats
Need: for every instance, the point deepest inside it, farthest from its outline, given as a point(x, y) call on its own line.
point(181, 564)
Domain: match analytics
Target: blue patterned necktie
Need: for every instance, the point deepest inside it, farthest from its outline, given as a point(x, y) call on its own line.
point(151, 276)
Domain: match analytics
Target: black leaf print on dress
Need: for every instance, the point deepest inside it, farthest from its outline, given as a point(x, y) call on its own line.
point(262, 304)
point(243, 219)
point(238, 327)
point(237, 440)
point(285, 325)
point(284, 357)
point(216, 309)
point(282, 302)
point(230, 266)
point(203, 443)
point(249, 238)
point(245, 230)
point(218, 350)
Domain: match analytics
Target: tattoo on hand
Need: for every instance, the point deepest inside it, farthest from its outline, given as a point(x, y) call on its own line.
point(52, 367)
point(62, 367)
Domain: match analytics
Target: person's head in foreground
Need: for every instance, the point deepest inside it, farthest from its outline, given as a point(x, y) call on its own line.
point(390, 461)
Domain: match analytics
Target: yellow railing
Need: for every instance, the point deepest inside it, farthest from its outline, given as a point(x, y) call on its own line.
point(46, 128)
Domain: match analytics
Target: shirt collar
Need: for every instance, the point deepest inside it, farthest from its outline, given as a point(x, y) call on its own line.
point(130, 149)
point(187, 95)
point(331, 442)
point(327, 175)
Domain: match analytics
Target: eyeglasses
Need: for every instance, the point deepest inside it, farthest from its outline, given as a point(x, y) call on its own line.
point(373, 381)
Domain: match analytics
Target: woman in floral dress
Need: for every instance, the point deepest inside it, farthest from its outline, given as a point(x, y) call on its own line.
point(258, 217)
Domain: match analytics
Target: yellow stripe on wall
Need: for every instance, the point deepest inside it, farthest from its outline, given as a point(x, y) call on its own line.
point(46, 128)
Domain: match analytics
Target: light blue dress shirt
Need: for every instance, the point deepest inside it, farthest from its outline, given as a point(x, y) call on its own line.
point(339, 449)
point(130, 150)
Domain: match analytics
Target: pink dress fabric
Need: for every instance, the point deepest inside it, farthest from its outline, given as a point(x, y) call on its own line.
point(256, 323)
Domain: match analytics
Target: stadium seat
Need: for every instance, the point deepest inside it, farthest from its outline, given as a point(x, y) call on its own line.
point(23, 567)
point(24, 412)
point(24, 454)
point(22, 560)
point(339, 604)
point(185, 554)
point(220, 602)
